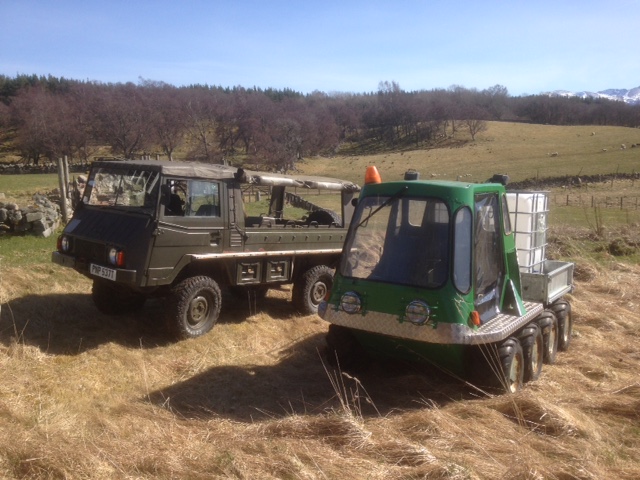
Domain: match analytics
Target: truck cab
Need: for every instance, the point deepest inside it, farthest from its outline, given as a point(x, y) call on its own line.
point(183, 231)
point(430, 270)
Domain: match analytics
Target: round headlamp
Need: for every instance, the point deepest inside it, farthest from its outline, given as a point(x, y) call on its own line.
point(65, 244)
point(116, 257)
point(351, 302)
point(417, 312)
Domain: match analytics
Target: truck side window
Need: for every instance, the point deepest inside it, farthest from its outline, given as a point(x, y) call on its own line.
point(191, 198)
point(203, 199)
point(462, 250)
point(174, 194)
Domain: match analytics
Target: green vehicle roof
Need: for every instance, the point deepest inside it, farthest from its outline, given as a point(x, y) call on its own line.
point(452, 191)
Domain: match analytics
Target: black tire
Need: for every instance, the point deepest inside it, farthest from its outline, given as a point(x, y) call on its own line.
point(311, 288)
point(562, 310)
point(111, 299)
point(512, 364)
point(194, 307)
point(548, 324)
point(532, 343)
point(324, 217)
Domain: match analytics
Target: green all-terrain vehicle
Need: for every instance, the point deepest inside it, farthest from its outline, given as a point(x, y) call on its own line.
point(183, 231)
point(453, 273)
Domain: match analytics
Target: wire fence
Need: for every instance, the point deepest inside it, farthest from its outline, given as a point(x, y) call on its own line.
point(625, 202)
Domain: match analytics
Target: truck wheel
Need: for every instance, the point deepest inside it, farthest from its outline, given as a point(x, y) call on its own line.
point(324, 217)
point(194, 307)
point(532, 350)
point(512, 363)
point(548, 323)
point(311, 288)
point(562, 309)
point(111, 300)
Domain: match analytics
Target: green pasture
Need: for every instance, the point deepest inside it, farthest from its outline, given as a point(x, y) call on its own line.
point(25, 250)
point(522, 151)
point(25, 186)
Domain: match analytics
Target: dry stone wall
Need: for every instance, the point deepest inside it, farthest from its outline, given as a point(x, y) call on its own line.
point(42, 218)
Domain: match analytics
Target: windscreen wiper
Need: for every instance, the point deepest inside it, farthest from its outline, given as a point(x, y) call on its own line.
point(388, 201)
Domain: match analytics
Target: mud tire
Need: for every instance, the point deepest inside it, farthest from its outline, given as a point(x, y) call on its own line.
point(324, 217)
point(548, 324)
point(562, 310)
point(193, 307)
point(512, 364)
point(311, 288)
point(532, 343)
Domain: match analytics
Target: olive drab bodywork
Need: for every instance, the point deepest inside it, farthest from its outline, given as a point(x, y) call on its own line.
point(453, 273)
point(180, 231)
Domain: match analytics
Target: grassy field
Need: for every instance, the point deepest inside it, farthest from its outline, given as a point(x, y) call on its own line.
point(520, 150)
point(84, 395)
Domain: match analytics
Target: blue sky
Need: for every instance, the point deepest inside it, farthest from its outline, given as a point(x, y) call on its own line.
point(331, 46)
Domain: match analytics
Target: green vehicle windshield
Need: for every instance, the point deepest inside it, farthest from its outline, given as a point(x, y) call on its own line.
point(403, 240)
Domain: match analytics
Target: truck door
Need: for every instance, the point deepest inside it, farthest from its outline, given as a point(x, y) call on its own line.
point(192, 220)
point(489, 266)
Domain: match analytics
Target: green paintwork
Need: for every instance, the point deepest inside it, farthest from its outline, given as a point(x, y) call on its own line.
point(447, 304)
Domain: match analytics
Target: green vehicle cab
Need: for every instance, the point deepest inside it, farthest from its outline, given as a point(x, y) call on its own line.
point(450, 273)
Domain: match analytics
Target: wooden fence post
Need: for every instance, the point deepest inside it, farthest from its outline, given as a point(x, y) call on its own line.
point(65, 166)
point(63, 191)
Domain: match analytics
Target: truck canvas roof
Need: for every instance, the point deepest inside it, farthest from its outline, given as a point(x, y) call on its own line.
point(220, 172)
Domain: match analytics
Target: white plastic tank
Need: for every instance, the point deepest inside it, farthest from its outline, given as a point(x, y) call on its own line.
point(528, 214)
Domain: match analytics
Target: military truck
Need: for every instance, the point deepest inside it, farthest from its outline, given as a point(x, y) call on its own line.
point(451, 273)
point(183, 231)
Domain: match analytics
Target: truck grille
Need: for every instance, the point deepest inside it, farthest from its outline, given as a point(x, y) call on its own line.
point(91, 251)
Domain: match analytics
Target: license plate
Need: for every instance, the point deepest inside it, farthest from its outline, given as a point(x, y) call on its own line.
point(103, 272)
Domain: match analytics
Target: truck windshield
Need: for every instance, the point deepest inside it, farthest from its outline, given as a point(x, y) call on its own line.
point(405, 242)
point(121, 187)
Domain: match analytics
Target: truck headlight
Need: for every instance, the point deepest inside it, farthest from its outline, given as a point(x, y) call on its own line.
point(64, 245)
point(417, 312)
point(116, 257)
point(351, 302)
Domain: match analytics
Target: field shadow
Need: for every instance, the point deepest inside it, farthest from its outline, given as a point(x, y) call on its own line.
point(70, 324)
point(303, 384)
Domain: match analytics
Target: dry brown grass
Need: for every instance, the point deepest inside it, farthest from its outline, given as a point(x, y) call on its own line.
point(83, 395)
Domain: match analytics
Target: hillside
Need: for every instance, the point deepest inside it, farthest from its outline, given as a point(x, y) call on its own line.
point(83, 395)
point(522, 151)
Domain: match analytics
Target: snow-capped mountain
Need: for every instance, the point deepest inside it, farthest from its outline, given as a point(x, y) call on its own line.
point(631, 96)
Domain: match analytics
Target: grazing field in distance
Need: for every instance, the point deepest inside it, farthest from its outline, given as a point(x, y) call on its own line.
point(84, 395)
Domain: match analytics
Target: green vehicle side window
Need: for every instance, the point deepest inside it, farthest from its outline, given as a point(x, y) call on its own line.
point(506, 219)
point(462, 249)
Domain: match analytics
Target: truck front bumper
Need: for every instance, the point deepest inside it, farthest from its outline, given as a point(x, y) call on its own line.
point(494, 330)
point(118, 275)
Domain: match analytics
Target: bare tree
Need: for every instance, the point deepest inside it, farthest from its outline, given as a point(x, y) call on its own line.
point(123, 119)
point(30, 111)
point(474, 121)
point(167, 116)
point(202, 110)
